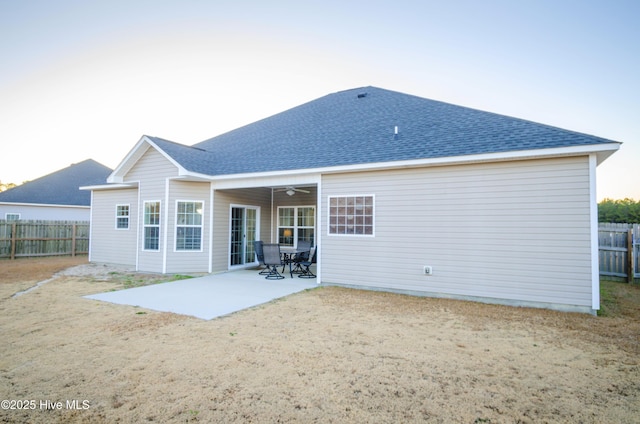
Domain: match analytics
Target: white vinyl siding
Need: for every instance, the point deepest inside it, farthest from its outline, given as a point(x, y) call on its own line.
point(109, 245)
point(185, 261)
point(152, 172)
point(510, 230)
point(223, 199)
point(46, 212)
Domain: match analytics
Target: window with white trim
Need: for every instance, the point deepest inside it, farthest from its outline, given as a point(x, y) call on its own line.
point(351, 215)
point(189, 225)
point(12, 216)
point(296, 223)
point(151, 224)
point(122, 217)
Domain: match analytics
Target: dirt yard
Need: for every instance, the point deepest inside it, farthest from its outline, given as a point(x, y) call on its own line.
point(324, 355)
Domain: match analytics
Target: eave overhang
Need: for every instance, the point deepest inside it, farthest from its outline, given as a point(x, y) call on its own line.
point(116, 179)
point(602, 152)
point(45, 205)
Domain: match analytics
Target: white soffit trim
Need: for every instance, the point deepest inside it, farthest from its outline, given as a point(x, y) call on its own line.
point(134, 156)
point(602, 151)
point(267, 180)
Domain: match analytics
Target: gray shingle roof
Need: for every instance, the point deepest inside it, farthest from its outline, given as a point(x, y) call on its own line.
point(357, 126)
point(60, 187)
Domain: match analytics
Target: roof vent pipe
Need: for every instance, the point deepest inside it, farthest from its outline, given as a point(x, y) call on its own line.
point(395, 132)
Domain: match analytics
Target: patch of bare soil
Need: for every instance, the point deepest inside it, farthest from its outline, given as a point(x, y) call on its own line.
point(325, 355)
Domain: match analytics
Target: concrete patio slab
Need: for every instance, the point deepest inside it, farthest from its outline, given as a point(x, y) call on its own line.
point(210, 296)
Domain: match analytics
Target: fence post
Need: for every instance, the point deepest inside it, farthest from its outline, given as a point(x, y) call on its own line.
point(13, 240)
point(630, 270)
point(73, 241)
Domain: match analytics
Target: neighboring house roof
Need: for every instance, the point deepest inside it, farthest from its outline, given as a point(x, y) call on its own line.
point(364, 126)
point(60, 187)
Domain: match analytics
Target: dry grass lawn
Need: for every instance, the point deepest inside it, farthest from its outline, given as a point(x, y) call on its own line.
point(324, 355)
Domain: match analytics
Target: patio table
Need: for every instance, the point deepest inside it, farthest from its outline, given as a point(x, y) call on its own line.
point(288, 253)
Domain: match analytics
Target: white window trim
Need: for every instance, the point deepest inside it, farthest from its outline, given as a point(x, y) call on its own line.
point(175, 243)
point(128, 217)
point(6, 216)
point(373, 223)
point(295, 222)
point(144, 207)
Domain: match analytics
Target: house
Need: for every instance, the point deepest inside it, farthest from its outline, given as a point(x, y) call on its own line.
point(397, 192)
point(56, 196)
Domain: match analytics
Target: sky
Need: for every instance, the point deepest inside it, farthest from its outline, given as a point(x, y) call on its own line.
point(86, 79)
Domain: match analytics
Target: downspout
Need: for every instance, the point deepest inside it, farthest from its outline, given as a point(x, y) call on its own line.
point(593, 209)
point(319, 230)
point(139, 224)
point(274, 220)
point(211, 196)
point(166, 224)
point(90, 228)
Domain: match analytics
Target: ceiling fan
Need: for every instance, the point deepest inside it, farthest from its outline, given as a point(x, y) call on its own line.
point(292, 190)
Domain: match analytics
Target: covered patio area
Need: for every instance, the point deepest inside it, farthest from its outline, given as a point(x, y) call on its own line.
point(210, 296)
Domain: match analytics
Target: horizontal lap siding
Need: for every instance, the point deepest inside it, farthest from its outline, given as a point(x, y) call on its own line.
point(187, 261)
point(513, 230)
point(108, 244)
point(223, 199)
point(151, 171)
point(47, 213)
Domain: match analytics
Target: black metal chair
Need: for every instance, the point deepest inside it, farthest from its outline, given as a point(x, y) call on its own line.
point(305, 265)
point(272, 260)
point(257, 245)
point(304, 251)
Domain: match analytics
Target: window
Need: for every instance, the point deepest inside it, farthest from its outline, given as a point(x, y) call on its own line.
point(122, 217)
point(151, 225)
point(351, 215)
point(306, 224)
point(189, 225)
point(12, 216)
point(296, 223)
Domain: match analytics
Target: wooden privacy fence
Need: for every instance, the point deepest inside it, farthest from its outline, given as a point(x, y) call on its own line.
point(619, 250)
point(43, 238)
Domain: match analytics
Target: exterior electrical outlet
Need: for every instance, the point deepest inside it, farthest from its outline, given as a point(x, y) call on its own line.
point(428, 270)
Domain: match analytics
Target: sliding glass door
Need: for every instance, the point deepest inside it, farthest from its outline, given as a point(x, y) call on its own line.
point(244, 231)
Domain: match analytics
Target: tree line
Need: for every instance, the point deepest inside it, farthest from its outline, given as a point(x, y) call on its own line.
point(6, 186)
point(619, 211)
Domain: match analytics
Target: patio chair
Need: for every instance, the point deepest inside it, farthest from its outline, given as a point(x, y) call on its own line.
point(305, 265)
point(272, 260)
point(304, 251)
point(257, 245)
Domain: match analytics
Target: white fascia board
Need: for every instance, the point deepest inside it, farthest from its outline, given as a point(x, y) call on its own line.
point(287, 178)
point(309, 175)
point(117, 176)
point(131, 158)
point(44, 205)
point(110, 186)
point(192, 176)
